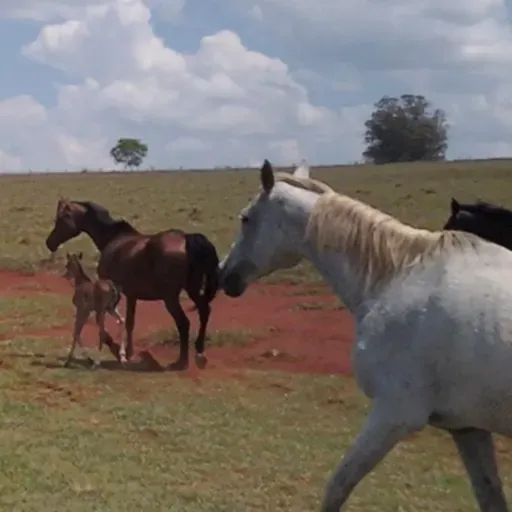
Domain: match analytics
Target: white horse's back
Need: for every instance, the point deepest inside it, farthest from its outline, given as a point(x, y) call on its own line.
point(448, 323)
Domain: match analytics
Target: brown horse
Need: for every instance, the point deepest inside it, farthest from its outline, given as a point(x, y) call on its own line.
point(146, 267)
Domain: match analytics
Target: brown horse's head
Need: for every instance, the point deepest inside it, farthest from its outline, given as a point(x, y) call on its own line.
point(73, 266)
point(68, 224)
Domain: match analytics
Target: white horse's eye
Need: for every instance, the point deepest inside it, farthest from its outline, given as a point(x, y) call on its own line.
point(244, 219)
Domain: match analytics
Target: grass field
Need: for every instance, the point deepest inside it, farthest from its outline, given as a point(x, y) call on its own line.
point(118, 441)
point(210, 201)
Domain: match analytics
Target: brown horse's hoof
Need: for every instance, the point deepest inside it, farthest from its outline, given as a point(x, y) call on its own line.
point(178, 366)
point(201, 361)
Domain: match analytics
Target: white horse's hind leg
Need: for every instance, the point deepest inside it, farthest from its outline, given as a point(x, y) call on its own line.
point(384, 428)
point(476, 449)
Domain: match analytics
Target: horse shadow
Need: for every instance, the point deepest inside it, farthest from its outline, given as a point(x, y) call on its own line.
point(146, 364)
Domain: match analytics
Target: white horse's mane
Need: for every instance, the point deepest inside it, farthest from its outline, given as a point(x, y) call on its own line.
point(382, 246)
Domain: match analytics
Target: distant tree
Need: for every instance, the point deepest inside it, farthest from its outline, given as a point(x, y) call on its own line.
point(405, 130)
point(130, 152)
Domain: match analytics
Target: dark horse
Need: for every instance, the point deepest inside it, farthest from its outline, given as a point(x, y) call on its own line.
point(146, 267)
point(488, 221)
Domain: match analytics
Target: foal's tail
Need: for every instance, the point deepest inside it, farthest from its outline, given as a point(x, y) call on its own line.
point(203, 260)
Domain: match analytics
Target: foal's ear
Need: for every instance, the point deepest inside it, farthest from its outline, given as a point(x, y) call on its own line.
point(267, 176)
point(302, 170)
point(80, 255)
point(455, 206)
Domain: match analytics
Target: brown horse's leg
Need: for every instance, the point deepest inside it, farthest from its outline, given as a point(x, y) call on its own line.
point(131, 304)
point(183, 325)
point(203, 310)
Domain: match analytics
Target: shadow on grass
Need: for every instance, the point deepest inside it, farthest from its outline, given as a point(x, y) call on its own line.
point(147, 364)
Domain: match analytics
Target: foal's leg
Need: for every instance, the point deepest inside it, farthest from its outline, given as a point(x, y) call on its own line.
point(131, 304)
point(387, 424)
point(102, 336)
point(114, 312)
point(117, 315)
point(203, 310)
point(183, 325)
point(81, 317)
point(120, 322)
point(476, 449)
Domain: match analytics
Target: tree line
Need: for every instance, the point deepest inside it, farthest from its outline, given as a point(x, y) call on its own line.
point(404, 129)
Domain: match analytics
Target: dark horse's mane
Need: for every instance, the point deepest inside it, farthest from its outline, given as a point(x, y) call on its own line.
point(494, 212)
point(102, 215)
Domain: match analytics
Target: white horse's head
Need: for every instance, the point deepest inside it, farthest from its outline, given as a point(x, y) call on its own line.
point(270, 234)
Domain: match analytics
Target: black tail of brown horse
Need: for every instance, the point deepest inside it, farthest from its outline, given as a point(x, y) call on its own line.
point(203, 262)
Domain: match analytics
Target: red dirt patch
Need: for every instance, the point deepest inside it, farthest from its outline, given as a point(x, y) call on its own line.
point(300, 339)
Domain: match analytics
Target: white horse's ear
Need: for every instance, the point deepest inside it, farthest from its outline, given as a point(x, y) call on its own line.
point(302, 170)
point(267, 176)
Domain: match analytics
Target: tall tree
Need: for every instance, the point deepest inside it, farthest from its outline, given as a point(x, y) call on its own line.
point(130, 152)
point(405, 129)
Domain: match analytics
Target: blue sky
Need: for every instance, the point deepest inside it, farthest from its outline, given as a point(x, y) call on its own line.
point(231, 82)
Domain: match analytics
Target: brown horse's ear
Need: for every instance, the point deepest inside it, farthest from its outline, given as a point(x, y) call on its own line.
point(68, 256)
point(455, 206)
point(62, 205)
point(267, 176)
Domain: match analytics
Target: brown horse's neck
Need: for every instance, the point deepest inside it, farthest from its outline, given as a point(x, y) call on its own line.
point(102, 234)
point(79, 275)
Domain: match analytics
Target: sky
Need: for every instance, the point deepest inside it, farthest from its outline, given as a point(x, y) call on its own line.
point(209, 83)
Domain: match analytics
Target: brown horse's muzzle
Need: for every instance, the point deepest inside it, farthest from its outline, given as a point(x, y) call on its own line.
point(52, 243)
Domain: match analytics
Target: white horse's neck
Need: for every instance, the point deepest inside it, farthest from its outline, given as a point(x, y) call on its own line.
point(345, 280)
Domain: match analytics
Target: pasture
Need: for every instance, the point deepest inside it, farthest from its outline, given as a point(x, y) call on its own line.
point(263, 425)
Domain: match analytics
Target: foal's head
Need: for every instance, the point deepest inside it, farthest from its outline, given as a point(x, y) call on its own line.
point(69, 223)
point(488, 221)
point(73, 267)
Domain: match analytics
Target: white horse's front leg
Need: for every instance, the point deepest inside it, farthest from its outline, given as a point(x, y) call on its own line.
point(387, 424)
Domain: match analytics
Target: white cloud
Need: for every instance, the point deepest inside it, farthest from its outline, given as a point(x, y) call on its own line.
point(9, 163)
point(224, 97)
point(256, 12)
point(167, 10)
point(288, 150)
point(187, 144)
point(45, 10)
point(224, 103)
point(457, 53)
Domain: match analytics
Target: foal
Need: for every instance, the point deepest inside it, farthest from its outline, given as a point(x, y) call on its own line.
point(101, 296)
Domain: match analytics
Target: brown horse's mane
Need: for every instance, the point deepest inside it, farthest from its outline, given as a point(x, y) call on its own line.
point(102, 216)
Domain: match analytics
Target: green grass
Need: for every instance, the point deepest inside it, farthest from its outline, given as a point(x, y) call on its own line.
point(33, 312)
point(214, 338)
point(81, 440)
point(317, 306)
point(210, 201)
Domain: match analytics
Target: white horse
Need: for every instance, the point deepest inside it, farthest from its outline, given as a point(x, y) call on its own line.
point(433, 312)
